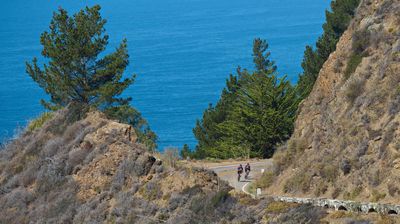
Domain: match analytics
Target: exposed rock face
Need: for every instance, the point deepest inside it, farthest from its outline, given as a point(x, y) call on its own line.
point(93, 171)
point(346, 142)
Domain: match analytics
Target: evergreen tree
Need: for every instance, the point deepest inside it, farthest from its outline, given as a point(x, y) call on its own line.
point(76, 74)
point(185, 152)
point(337, 21)
point(259, 115)
point(206, 131)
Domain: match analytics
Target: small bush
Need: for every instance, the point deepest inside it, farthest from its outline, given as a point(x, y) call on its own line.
point(219, 197)
point(170, 157)
point(279, 207)
point(329, 172)
point(38, 122)
point(352, 195)
point(393, 189)
point(77, 156)
point(151, 191)
point(265, 180)
point(297, 145)
point(52, 146)
point(376, 196)
point(345, 166)
point(352, 64)
point(353, 89)
point(299, 182)
point(321, 189)
point(302, 214)
point(361, 40)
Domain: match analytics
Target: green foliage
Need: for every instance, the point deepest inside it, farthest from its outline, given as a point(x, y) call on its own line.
point(76, 74)
point(185, 152)
point(337, 21)
point(279, 207)
point(129, 115)
point(360, 43)
point(256, 111)
point(352, 64)
point(38, 122)
point(206, 131)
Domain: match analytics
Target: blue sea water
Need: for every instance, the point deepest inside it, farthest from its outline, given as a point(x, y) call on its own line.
point(181, 50)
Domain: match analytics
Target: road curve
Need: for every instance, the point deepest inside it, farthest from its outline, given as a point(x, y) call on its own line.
point(228, 172)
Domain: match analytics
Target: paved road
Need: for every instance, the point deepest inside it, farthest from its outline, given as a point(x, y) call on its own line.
point(228, 173)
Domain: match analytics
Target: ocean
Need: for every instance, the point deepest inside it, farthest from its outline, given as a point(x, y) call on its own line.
point(181, 50)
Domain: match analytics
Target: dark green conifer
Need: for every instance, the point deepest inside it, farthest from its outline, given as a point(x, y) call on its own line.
point(337, 21)
point(75, 72)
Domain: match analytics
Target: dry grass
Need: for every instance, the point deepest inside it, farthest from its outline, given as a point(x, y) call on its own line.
point(265, 180)
point(38, 122)
point(299, 182)
point(279, 207)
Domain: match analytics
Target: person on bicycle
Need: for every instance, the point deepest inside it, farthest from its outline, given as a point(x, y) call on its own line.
point(247, 170)
point(239, 171)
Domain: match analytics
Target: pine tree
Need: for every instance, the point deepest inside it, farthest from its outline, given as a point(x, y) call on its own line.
point(75, 72)
point(264, 111)
point(185, 152)
point(337, 21)
point(206, 131)
point(257, 109)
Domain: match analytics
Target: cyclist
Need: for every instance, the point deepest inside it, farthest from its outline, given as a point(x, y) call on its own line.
point(247, 170)
point(239, 171)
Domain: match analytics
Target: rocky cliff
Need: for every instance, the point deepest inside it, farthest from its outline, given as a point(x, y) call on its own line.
point(346, 142)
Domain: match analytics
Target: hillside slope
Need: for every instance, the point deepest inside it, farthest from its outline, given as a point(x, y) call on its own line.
point(346, 142)
point(92, 171)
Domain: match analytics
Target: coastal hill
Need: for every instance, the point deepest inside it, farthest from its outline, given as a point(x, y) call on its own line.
point(346, 140)
point(93, 171)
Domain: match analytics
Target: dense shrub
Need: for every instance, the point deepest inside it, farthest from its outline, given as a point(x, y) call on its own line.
point(345, 166)
point(352, 64)
point(360, 41)
point(353, 89)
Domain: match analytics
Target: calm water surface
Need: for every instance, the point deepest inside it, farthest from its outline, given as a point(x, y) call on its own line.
point(181, 50)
